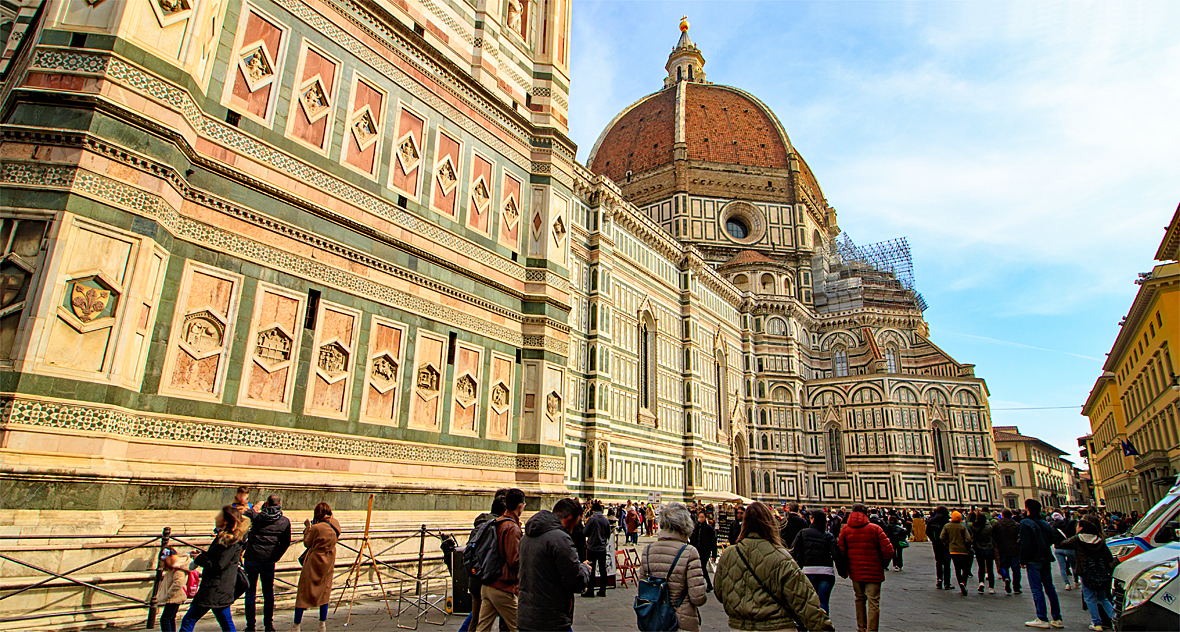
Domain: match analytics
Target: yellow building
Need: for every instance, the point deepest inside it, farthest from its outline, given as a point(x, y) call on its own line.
point(1031, 468)
point(1135, 404)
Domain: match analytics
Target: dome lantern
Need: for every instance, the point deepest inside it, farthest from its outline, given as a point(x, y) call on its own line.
point(685, 63)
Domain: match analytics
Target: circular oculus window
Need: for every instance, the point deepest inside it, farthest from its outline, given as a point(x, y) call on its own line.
point(743, 222)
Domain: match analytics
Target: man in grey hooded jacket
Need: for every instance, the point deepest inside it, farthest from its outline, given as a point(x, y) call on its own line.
point(550, 573)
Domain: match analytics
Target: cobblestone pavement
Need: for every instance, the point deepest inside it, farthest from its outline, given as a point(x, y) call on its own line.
point(909, 603)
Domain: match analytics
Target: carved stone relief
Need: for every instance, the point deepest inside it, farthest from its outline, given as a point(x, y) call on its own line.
point(257, 66)
point(500, 397)
point(203, 332)
point(273, 347)
point(333, 359)
point(427, 380)
point(465, 390)
point(447, 179)
point(384, 371)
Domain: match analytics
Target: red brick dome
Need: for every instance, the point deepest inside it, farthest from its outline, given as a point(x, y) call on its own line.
point(720, 125)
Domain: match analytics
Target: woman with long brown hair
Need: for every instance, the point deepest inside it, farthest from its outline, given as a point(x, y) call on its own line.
point(319, 561)
point(760, 585)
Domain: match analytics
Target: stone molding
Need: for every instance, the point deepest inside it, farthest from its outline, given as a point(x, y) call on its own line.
point(120, 422)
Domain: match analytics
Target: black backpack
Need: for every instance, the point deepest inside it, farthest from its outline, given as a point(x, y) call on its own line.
point(481, 556)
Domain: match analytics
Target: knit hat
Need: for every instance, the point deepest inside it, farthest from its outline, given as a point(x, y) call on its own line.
point(956, 516)
point(1057, 516)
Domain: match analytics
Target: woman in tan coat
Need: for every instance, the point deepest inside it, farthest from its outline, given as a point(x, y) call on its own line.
point(319, 562)
point(686, 582)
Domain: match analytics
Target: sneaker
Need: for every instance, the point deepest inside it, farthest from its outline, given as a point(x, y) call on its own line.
point(1057, 623)
point(602, 593)
point(1008, 586)
point(1038, 623)
point(1069, 586)
point(963, 589)
point(1096, 628)
point(938, 586)
point(980, 586)
point(588, 595)
point(991, 591)
point(1016, 592)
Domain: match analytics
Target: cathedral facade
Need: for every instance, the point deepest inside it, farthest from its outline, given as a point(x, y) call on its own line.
point(331, 247)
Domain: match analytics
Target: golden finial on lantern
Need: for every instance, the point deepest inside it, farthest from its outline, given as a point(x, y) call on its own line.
point(684, 24)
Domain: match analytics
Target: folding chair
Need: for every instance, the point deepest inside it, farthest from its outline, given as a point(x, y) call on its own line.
point(624, 567)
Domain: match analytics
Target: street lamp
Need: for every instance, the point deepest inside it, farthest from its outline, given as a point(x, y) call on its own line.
point(1175, 382)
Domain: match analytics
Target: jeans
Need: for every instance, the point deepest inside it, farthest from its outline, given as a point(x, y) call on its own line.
point(1096, 599)
point(168, 617)
point(195, 612)
point(1010, 565)
point(1040, 577)
point(897, 561)
point(823, 587)
point(986, 567)
point(962, 567)
point(633, 538)
point(265, 572)
point(868, 605)
point(1067, 563)
point(323, 613)
point(598, 561)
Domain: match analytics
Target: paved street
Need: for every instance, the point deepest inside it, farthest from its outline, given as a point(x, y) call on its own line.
point(908, 603)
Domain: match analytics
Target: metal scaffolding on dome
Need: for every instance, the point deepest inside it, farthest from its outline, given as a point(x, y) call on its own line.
point(891, 256)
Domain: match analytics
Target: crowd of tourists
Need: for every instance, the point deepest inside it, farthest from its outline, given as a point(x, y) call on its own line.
point(248, 542)
point(770, 569)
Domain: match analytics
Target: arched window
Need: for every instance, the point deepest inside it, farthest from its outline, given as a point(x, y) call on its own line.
point(835, 449)
point(688, 474)
point(690, 73)
point(776, 327)
point(766, 485)
point(891, 364)
point(762, 418)
point(742, 282)
point(765, 442)
point(679, 73)
point(840, 361)
point(720, 368)
point(647, 336)
point(941, 446)
point(593, 358)
point(767, 283)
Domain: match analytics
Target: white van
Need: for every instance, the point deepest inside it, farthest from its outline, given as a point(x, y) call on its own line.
point(1147, 592)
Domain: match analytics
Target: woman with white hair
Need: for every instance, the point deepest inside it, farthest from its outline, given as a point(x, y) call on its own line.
point(671, 556)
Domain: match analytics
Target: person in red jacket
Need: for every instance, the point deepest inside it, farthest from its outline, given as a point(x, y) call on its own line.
point(868, 551)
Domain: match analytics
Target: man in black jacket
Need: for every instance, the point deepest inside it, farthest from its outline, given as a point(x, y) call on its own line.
point(704, 539)
point(597, 532)
point(267, 542)
point(550, 573)
point(1036, 555)
point(793, 524)
point(942, 555)
point(1006, 534)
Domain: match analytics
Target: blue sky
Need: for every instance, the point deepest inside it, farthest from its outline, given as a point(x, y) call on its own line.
point(1030, 151)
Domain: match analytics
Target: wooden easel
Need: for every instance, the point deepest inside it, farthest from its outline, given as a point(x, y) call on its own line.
point(358, 566)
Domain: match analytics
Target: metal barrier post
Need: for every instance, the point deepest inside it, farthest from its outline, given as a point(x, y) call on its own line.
point(421, 555)
point(151, 618)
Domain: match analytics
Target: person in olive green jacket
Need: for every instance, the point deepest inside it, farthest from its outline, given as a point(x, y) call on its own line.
point(957, 539)
point(760, 585)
